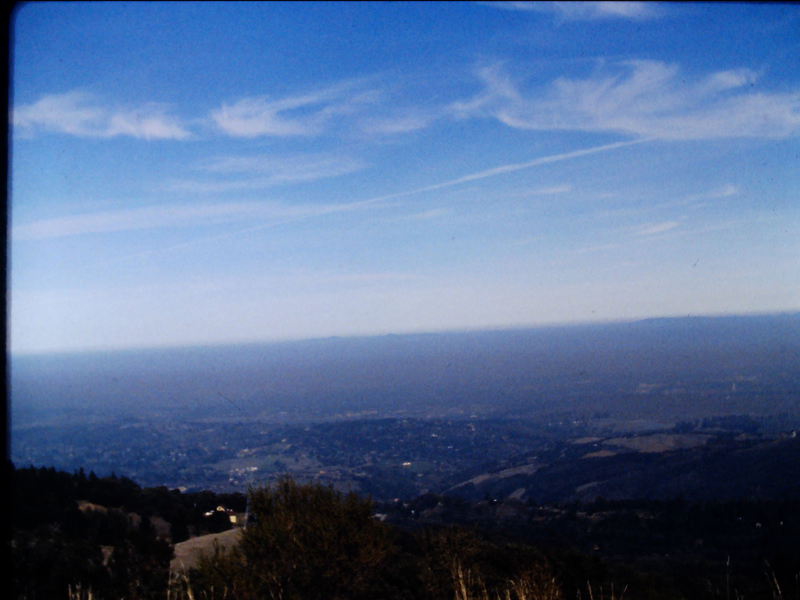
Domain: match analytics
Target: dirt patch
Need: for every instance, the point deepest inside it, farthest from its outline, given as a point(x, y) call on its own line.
point(187, 554)
point(600, 454)
point(659, 442)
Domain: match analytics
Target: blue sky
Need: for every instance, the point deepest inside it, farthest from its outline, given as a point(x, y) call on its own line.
point(209, 173)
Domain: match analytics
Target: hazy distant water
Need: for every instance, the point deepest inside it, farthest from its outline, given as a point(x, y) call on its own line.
point(533, 371)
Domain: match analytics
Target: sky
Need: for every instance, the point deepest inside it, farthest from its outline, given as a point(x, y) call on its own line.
point(208, 173)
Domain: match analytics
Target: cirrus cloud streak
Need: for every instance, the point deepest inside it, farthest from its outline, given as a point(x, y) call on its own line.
point(250, 172)
point(175, 215)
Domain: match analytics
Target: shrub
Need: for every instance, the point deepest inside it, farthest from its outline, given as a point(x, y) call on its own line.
point(303, 542)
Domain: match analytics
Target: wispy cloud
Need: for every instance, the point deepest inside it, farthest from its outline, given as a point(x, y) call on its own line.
point(726, 191)
point(656, 228)
point(497, 171)
point(585, 11)
point(679, 231)
point(549, 191)
point(404, 122)
point(425, 215)
point(662, 230)
point(493, 172)
point(80, 114)
point(42, 229)
point(640, 98)
point(158, 217)
point(708, 198)
point(701, 199)
point(691, 201)
point(237, 173)
point(597, 248)
point(302, 115)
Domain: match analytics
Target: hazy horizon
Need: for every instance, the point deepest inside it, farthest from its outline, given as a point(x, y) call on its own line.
point(686, 365)
point(529, 327)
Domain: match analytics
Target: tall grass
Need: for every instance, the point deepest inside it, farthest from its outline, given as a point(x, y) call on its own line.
point(535, 584)
point(77, 592)
point(604, 593)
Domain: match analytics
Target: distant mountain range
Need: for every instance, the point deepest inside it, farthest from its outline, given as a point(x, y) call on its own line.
point(669, 368)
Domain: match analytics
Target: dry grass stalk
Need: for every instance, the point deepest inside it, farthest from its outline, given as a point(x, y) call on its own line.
point(536, 584)
point(78, 593)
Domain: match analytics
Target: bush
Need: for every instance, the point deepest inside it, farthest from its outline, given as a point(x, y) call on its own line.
point(303, 542)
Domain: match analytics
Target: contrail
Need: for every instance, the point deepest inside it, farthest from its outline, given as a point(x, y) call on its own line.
point(377, 200)
point(510, 168)
point(501, 170)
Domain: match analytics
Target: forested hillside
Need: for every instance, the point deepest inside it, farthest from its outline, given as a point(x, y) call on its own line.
point(105, 533)
point(104, 538)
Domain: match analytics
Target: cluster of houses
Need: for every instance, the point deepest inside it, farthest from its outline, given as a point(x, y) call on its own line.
point(234, 517)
